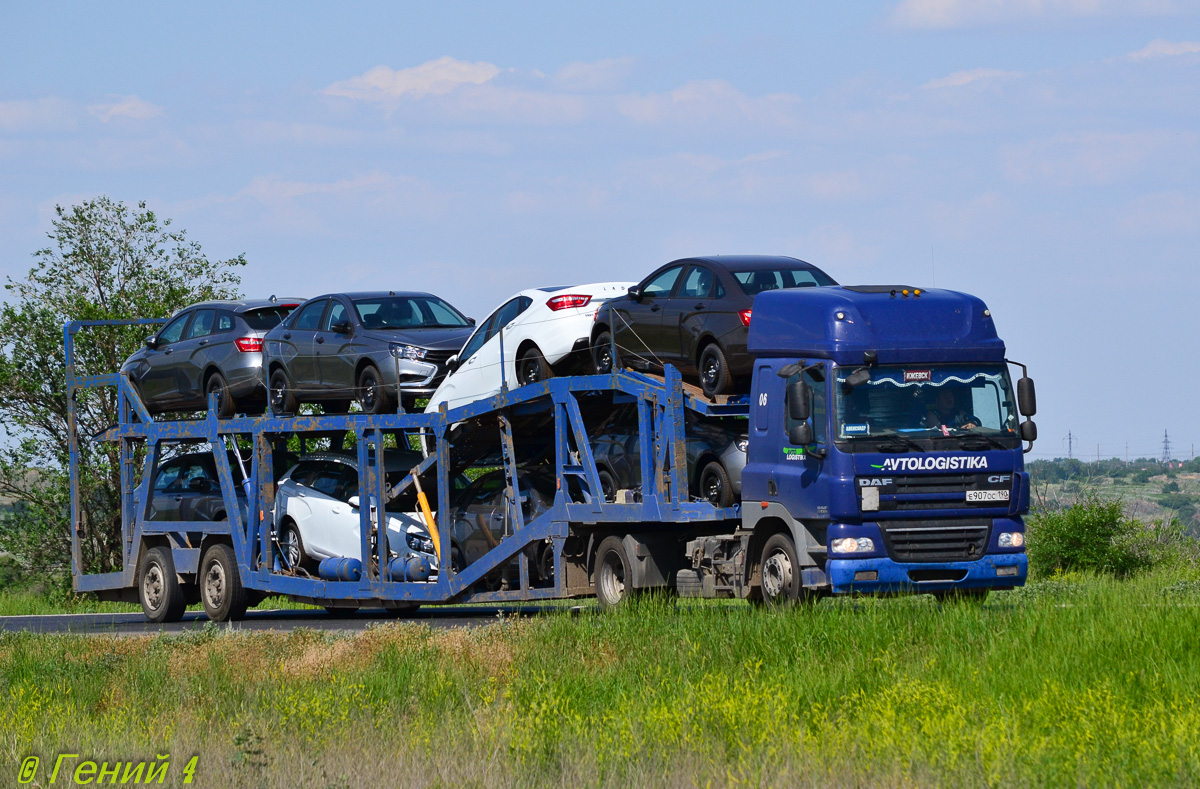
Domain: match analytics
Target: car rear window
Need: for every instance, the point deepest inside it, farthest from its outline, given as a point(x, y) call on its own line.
point(267, 317)
point(756, 281)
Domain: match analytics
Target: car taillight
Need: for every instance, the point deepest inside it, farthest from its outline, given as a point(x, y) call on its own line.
point(745, 316)
point(571, 300)
point(248, 344)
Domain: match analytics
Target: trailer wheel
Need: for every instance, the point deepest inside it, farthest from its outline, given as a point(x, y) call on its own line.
point(603, 355)
point(221, 589)
point(614, 573)
point(158, 587)
point(372, 395)
point(780, 571)
point(714, 371)
point(715, 486)
point(281, 397)
point(226, 407)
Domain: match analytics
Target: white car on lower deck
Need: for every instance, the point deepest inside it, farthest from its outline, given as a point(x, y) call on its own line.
point(545, 331)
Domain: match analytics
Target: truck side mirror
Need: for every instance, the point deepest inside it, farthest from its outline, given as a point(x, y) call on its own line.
point(1026, 396)
point(635, 292)
point(801, 434)
point(799, 401)
point(1028, 431)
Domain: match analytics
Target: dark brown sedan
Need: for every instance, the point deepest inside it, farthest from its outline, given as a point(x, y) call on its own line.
point(695, 314)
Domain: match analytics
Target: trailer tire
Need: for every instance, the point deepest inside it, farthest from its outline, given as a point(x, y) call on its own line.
point(372, 395)
point(604, 356)
point(221, 589)
point(614, 573)
point(159, 591)
point(714, 371)
point(281, 398)
point(781, 583)
point(226, 406)
point(715, 486)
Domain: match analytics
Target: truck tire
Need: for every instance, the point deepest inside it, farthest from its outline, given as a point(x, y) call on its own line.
point(714, 371)
point(226, 407)
point(281, 397)
point(614, 573)
point(715, 486)
point(221, 589)
point(532, 367)
point(372, 395)
point(780, 572)
point(161, 595)
point(604, 355)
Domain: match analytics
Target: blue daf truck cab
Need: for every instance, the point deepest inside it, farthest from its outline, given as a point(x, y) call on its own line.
point(884, 455)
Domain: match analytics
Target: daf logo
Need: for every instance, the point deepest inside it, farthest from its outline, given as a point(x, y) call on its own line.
point(1000, 478)
point(878, 482)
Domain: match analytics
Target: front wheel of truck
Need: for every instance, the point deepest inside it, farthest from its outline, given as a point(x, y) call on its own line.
point(780, 572)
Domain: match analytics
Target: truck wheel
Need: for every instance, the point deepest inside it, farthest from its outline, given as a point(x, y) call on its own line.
point(221, 589)
point(158, 587)
point(281, 398)
point(780, 571)
point(613, 573)
point(714, 371)
point(372, 395)
point(715, 486)
point(226, 407)
point(608, 485)
point(602, 355)
point(532, 367)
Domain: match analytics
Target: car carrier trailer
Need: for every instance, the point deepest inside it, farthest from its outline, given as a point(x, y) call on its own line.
point(822, 511)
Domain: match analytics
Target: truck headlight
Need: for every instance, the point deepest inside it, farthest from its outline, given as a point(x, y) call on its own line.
point(419, 543)
point(852, 545)
point(401, 351)
point(1012, 539)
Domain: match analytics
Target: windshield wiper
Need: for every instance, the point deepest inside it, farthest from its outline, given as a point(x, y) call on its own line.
point(898, 443)
point(977, 442)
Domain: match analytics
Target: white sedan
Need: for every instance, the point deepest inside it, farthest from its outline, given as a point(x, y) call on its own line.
point(317, 513)
point(545, 331)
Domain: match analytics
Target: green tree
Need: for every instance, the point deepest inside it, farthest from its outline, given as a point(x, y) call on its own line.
point(105, 261)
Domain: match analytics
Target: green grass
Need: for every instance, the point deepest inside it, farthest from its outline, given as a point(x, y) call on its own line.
point(21, 602)
point(1075, 681)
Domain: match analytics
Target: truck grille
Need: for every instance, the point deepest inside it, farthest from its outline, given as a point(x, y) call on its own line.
point(936, 491)
point(932, 541)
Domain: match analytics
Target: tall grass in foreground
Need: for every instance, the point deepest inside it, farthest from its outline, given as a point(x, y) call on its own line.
point(1090, 682)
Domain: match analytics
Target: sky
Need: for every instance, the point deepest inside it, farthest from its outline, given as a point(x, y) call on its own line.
point(1041, 154)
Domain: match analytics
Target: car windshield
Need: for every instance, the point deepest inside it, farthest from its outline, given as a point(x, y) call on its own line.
point(757, 280)
point(408, 312)
point(267, 317)
point(926, 401)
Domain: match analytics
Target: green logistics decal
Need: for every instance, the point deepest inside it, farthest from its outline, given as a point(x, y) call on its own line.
point(793, 453)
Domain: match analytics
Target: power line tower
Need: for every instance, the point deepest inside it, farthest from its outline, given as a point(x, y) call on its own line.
point(1070, 445)
point(1166, 455)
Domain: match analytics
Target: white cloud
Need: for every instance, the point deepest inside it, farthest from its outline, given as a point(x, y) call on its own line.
point(598, 75)
point(37, 115)
point(1161, 48)
point(943, 14)
point(960, 78)
point(432, 78)
point(125, 107)
point(709, 100)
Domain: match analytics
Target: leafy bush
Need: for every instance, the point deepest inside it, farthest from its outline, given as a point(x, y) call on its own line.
point(1170, 487)
point(1094, 535)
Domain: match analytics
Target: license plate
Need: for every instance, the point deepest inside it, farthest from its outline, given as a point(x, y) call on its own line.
point(987, 495)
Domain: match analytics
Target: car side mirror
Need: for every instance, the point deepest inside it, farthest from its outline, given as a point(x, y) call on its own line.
point(341, 327)
point(800, 434)
point(452, 363)
point(470, 321)
point(635, 292)
point(152, 342)
point(1026, 396)
point(799, 401)
point(198, 484)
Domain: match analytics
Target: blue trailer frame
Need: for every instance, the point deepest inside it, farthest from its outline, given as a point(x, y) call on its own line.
point(578, 509)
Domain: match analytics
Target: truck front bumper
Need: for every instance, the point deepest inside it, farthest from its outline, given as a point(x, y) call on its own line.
point(884, 576)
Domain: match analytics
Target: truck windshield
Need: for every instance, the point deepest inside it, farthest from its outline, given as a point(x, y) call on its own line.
point(926, 402)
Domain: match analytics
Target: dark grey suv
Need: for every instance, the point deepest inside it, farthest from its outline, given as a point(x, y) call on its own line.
point(368, 347)
point(213, 346)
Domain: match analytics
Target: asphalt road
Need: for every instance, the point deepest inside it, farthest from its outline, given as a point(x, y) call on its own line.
point(272, 620)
